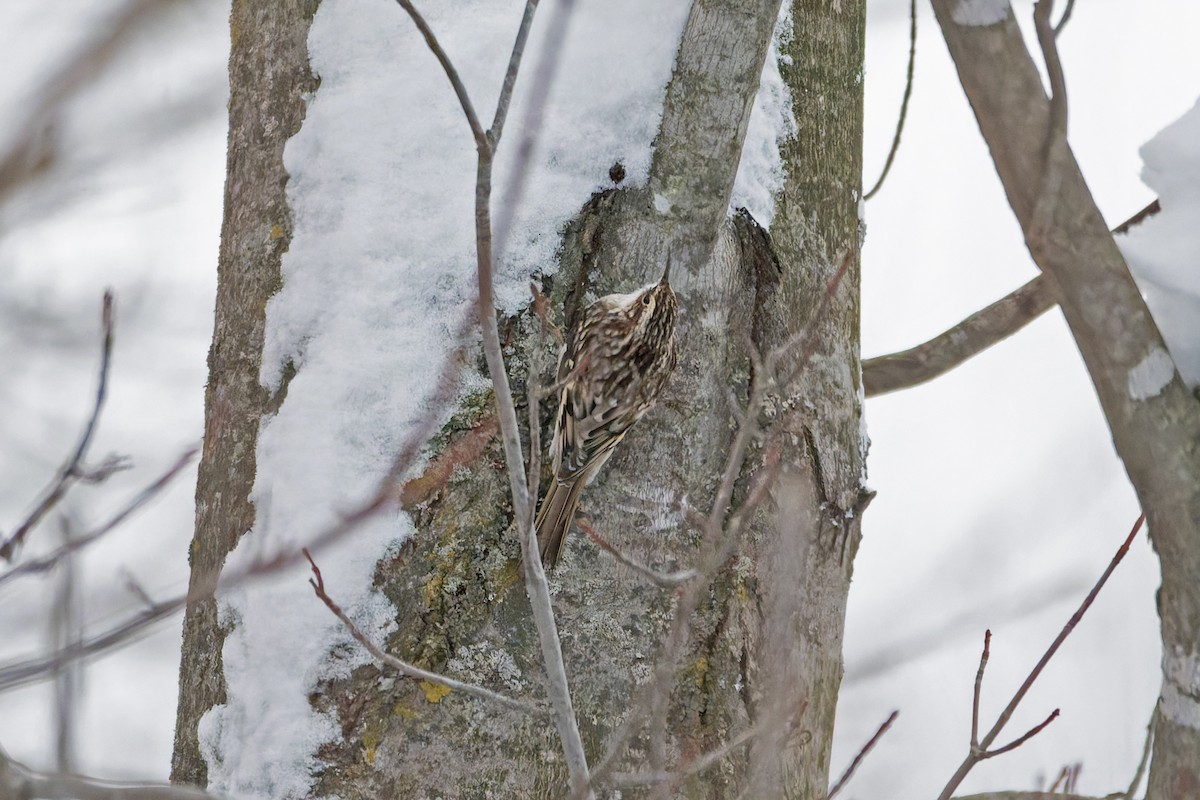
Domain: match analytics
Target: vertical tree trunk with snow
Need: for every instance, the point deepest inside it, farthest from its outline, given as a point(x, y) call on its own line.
point(268, 78)
point(768, 632)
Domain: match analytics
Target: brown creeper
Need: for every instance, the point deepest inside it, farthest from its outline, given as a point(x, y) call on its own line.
point(611, 371)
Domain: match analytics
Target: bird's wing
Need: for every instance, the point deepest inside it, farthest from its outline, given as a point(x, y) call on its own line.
point(589, 429)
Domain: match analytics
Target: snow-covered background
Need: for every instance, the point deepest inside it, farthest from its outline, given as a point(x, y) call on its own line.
point(1000, 498)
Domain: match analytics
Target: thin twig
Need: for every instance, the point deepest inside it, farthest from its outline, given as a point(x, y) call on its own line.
point(670, 580)
point(533, 401)
point(692, 766)
point(20, 673)
point(533, 122)
point(510, 75)
point(1066, 16)
point(1147, 746)
point(77, 543)
point(862, 754)
point(460, 91)
point(980, 751)
point(71, 470)
point(1020, 740)
point(18, 780)
point(536, 586)
point(68, 678)
point(1042, 10)
point(31, 148)
point(908, 87)
point(983, 660)
point(403, 667)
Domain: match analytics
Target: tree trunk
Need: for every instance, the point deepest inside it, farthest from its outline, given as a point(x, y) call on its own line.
point(456, 588)
point(767, 631)
point(269, 78)
point(1154, 419)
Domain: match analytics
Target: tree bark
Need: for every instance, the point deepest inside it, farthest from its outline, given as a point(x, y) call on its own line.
point(805, 555)
point(755, 642)
point(269, 77)
point(1154, 419)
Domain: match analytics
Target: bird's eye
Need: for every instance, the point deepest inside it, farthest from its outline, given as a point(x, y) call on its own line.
point(646, 299)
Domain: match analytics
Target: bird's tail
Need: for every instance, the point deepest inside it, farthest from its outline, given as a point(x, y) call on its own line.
point(554, 518)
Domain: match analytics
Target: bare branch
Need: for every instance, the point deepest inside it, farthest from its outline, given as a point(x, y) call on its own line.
point(403, 667)
point(68, 678)
point(536, 587)
point(532, 124)
point(973, 335)
point(980, 750)
point(667, 581)
point(1066, 16)
point(1013, 745)
point(908, 87)
point(19, 781)
point(533, 402)
point(1055, 151)
point(72, 469)
point(965, 340)
point(983, 659)
point(31, 148)
point(460, 91)
point(510, 75)
point(862, 754)
point(77, 543)
point(20, 673)
point(1147, 746)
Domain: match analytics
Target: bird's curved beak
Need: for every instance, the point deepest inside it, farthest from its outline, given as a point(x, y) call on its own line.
point(666, 276)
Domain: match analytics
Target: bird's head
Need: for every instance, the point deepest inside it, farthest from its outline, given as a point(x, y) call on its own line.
point(653, 306)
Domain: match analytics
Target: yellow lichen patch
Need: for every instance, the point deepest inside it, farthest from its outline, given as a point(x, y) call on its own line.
point(700, 668)
point(404, 712)
point(371, 738)
point(434, 692)
point(432, 590)
point(276, 232)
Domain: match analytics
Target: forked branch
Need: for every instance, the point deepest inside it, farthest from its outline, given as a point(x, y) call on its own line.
point(73, 469)
point(973, 335)
point(981, 749)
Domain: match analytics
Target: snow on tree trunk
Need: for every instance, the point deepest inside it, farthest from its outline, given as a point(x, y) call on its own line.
point(767, 633)
point(457, 587)
point(268, 77)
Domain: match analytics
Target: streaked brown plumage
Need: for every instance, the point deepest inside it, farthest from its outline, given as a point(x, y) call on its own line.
point(612, 371)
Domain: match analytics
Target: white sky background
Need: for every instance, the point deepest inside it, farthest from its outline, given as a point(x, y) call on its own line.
point(997, 483)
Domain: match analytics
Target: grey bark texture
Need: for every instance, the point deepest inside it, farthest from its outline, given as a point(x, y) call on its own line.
point(269, 78)
point(767, 632)
point(1156, 428)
